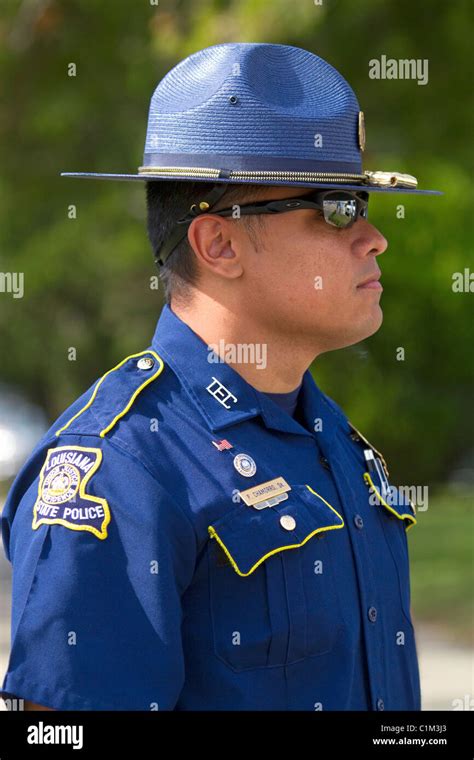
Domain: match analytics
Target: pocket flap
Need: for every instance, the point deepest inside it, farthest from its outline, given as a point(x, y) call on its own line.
point(399, 505)
point(249, 536)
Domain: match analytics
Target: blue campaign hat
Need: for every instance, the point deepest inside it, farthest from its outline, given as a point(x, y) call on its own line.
point(258, 113)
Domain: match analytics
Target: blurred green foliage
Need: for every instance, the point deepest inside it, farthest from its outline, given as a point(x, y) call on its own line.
point(87, 280)
point(441, 589)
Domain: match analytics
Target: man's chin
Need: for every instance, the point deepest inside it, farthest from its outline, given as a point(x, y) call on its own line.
point(372, 325)
point(375, 322)
point(358, 332)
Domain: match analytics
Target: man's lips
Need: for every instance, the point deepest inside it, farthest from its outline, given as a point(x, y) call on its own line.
point(371, 283)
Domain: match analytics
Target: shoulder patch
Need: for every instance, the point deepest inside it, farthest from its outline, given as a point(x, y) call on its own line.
point(62, 497)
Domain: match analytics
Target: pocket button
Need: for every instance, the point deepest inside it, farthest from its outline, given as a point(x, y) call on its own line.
point(287, 522)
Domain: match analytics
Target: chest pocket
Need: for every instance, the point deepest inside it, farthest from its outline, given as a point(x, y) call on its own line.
point(273, 597)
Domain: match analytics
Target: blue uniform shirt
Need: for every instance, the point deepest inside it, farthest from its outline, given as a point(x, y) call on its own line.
point(287, 401)
point(179, 541)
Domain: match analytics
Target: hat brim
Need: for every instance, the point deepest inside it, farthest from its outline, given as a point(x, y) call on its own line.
point(328, 185)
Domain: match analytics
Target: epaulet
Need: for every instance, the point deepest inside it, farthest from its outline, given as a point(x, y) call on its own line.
point(114, 394)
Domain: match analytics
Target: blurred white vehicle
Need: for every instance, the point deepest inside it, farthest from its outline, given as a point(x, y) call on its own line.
point(22, 424)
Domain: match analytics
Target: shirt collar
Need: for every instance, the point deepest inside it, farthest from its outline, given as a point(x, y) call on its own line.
point(220, 393)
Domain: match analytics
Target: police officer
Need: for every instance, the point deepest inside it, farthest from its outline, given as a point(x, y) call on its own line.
point(204, 528)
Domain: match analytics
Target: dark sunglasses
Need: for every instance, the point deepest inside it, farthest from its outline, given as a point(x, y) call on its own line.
point(340, 208)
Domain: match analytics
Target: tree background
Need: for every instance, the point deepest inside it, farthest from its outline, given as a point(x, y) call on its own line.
point(87, 281)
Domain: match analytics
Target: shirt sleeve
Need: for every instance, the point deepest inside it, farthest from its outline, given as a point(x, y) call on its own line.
point(101, 557)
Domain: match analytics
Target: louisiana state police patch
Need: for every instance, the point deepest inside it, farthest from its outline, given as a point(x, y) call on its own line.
point(62, 496)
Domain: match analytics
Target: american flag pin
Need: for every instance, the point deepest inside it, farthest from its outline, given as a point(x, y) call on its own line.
point(222, 445)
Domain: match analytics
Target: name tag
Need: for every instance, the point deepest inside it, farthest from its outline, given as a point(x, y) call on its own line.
point(267, 494)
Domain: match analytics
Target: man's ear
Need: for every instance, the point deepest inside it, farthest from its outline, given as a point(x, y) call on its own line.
point(216, 250)
point(215, 242)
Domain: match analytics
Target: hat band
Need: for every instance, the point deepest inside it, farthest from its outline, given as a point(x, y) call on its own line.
point(377, 179)
point(246, 162)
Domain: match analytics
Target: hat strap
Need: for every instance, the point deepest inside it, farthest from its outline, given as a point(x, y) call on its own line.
point(179, 232)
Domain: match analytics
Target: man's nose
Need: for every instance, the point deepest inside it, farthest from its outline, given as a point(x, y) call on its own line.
point(368, 240)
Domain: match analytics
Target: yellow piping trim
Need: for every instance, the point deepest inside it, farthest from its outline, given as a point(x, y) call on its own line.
point(407, 515)
point(213, 534)
point(139, 390)
point(82, 492)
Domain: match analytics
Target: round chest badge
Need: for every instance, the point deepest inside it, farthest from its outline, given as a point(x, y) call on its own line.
point(245, 465)
point(60, 484)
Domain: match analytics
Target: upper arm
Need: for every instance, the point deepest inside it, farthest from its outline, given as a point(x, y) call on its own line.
point(33, 706)
point(97, 612)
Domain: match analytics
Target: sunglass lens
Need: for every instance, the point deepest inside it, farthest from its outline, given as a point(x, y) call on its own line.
point(340, 212)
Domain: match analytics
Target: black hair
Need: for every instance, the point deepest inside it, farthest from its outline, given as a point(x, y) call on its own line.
point(168, 201)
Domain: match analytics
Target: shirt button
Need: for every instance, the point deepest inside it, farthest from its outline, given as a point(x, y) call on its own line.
point(372, 614)
point(380, 704)
point(325, 463)
point(355, 437)
point(287, 522)
point(358, 521)
point(145, 363)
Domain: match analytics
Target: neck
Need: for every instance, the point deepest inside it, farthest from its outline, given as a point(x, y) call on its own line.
point(268, 359)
